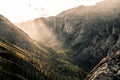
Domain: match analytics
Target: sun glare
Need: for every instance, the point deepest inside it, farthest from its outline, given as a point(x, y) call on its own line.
point(22, 10)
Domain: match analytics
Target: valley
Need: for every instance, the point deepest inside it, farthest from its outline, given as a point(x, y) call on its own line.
point(81, 43)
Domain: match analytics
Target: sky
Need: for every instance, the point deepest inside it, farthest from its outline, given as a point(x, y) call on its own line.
point(23, 10)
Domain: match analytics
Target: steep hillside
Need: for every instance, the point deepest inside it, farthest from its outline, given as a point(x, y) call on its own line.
point(11, 34)
point(107, 69)
point(13, 67)
point(86, 34)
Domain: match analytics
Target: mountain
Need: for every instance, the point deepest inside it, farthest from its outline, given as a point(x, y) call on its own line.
point(63, 47)
point(39, 31)
point(45, 63)
point(107, 69)
point(21, 51)
point(86, 33)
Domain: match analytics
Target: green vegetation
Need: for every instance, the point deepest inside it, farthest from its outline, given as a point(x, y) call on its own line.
point(12, 67)
point(15, 66)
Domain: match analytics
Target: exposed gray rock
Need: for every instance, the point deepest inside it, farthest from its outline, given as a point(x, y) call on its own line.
point(107, 69)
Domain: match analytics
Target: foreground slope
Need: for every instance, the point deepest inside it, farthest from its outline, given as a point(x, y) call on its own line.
point(15, 67)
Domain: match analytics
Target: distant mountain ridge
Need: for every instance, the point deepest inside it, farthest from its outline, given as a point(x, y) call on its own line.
point(85, 33)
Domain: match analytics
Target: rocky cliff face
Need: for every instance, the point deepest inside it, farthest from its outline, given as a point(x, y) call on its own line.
point(107, 69)
point(85, 33)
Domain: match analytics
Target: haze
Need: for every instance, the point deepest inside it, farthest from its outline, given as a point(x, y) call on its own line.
point(23, 10)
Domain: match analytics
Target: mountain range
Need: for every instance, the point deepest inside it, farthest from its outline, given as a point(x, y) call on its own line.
point(79, 43)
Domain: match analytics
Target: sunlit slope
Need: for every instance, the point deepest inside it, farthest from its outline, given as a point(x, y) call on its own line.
point(14, 65)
